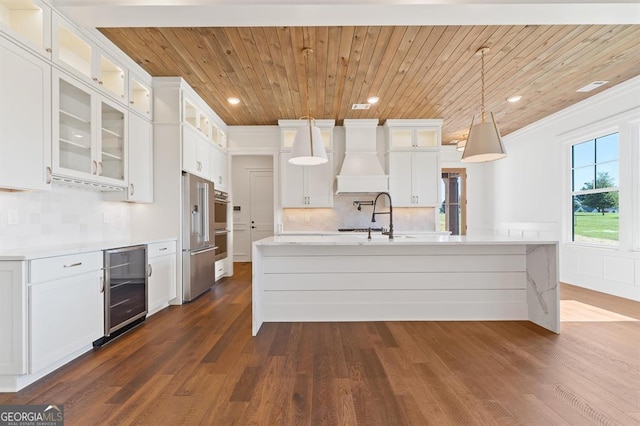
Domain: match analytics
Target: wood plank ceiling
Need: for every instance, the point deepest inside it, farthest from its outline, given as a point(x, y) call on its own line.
point(416, 71)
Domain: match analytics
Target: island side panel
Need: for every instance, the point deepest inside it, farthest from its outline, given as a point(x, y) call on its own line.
point(374, 283)
point(543, 295)
point(257, 279)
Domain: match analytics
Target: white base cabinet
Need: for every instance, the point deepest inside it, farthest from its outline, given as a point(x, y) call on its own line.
point(51, 311)
point(221, 269)
point(162, 275)
point(64, 316)
point(13, 319)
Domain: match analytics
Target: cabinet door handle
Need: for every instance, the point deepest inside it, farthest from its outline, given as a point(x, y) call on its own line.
point(100, 168)
point(95, 79)
point(150, 270)
point(94, 167)
point(72, 265)
point(48, 50)
point(133, 189)
point(100, 82)
point(417, 199)
point(48, 180)
point(162, 249)
point(131, 102)
point(101, 284)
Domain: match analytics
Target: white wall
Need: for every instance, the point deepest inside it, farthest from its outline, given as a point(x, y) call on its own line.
point(60, 216)
point(530, 188)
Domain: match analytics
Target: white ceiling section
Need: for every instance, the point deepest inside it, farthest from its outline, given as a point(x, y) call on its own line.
point(238, 13)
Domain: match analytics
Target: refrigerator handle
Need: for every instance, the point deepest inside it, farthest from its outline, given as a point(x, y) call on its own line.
point(205, 212)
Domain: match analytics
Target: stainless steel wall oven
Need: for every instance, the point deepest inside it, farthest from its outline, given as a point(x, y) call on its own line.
point(221, 227)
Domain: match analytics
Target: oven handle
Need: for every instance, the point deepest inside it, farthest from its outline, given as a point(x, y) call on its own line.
point(220, 231)
point(195, 253)
point(220, 200)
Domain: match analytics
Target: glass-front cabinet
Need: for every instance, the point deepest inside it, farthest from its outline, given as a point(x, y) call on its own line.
point(81, 57)
point(112, 145)
point(140, 96)
point(28, 21)
point(88, 131)
point(410, 134)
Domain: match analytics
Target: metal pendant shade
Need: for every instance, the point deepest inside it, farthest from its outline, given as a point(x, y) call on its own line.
point(484, 142)
point(308, 147)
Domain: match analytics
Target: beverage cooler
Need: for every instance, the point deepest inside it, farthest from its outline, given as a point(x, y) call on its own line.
point(125, 274)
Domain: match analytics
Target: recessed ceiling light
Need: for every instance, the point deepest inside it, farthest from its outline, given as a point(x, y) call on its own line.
point(233, 101)
point(514, 98)
point(589, 87)
point(373, 99)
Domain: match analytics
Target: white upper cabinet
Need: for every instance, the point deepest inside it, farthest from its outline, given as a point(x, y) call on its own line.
point(413, 160)
point(25, 119)
point(219, 168)
point(89, 131)
point(140, 160)
point(414, 178)
point(196, 153)
point(77, 54)
point(28, 22)
point(413, 134)
point(306, 186)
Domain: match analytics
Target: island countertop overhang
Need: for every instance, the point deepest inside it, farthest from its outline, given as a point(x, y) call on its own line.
point(361, 239)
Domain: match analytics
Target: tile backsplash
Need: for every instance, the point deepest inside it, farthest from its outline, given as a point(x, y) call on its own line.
point(60, 216)
point(345, 215)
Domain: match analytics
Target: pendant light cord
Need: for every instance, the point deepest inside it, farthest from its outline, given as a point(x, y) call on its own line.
point(307, 51)
point(482, 80)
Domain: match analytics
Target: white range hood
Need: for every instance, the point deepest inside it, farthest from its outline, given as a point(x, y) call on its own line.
point(361, 170)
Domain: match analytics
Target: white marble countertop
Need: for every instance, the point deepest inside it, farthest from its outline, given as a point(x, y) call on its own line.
point(377, 239)
point(29, 253)
point(322, 233)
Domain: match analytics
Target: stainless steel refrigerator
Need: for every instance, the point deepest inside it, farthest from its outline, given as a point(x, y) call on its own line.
point(198, 251)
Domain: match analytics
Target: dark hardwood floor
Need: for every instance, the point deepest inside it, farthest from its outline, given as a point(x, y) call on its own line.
point(198, 364)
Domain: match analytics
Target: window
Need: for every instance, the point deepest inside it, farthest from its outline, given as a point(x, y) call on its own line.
point(594, 191)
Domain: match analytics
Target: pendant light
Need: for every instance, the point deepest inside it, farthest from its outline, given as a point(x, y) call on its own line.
point(484, 142)
point(308, 147)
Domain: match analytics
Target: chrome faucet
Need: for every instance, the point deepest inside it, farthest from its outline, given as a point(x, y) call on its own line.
point(390, 213)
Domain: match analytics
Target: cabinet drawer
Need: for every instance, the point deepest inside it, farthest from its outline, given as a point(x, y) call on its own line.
point(161, 249)
point(53, 268)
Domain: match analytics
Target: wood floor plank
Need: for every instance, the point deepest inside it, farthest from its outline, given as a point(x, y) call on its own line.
point(199, 364)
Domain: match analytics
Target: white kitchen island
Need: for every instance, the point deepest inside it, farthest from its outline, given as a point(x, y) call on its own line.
point(412, 278)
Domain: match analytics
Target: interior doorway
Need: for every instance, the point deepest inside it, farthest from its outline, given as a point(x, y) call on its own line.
point(253, 201)
point(261, 205)
point(453, 210)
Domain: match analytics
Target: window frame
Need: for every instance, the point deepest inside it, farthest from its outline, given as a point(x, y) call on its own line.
point(594, 165)
point(569, 139)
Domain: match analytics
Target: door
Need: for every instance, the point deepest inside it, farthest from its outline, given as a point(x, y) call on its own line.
point(261, 205)
point(453, 209)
